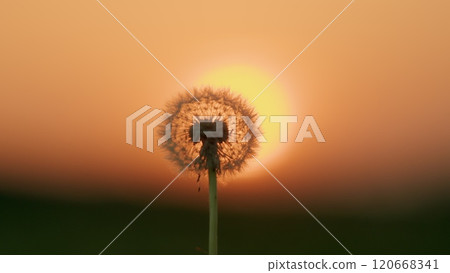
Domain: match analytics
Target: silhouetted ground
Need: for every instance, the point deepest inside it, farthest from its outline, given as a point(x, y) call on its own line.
point(45, 226)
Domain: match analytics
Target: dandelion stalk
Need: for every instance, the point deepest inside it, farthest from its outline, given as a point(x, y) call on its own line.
point(213, 213)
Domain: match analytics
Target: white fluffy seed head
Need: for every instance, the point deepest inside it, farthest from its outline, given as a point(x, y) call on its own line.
point(226, 157)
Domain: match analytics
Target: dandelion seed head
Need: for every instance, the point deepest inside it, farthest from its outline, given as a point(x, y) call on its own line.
point(221, 153)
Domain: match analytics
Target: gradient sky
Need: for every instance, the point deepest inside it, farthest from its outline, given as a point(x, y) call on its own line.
point(376, 81)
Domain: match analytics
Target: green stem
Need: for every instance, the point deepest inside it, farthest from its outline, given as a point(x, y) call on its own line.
point(212, 211)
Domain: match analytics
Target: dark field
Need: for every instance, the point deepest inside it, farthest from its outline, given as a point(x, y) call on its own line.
point(48, 226)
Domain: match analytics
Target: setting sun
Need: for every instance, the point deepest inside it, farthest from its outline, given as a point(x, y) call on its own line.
point(249, 81)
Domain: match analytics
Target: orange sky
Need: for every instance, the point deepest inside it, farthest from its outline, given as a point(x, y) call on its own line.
point(376, 81)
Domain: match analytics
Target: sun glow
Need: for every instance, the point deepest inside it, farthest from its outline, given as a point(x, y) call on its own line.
point(249, 81)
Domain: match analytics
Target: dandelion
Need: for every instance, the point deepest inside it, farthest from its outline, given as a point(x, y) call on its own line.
point(224, 153)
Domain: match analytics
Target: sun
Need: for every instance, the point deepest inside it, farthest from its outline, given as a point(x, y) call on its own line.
point(248, 81)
